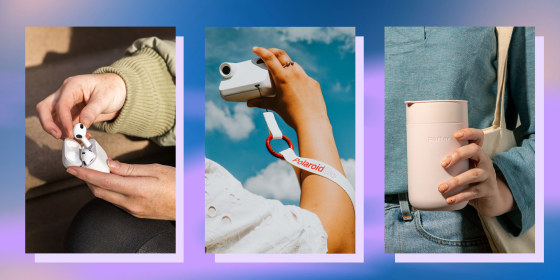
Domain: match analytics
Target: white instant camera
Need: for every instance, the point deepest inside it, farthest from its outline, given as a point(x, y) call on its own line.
point(245, 80)
point(90, 155)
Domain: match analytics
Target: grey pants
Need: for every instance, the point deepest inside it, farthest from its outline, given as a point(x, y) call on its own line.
point(101, 227)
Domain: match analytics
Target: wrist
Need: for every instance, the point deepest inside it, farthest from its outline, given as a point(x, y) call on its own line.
point(505, 196)
point(116, 85)
point(315, 124)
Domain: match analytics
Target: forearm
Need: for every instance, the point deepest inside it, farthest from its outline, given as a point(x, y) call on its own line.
point(321, 195)
point(149, 109)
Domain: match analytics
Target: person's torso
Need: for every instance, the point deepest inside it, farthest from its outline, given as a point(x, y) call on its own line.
point(439, 63)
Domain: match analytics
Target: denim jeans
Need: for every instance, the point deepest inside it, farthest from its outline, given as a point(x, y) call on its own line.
point(408, 230)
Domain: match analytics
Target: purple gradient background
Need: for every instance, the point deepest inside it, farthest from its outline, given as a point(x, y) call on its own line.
point(190, 19)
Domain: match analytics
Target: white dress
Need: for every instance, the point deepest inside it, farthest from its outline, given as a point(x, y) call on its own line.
point(238, 221)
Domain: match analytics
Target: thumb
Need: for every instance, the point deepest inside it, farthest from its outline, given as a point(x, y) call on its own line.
point(263, 103)
point(92, 110)
point(129, 170)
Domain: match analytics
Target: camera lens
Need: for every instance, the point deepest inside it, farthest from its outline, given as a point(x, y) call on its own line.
point(226, 70)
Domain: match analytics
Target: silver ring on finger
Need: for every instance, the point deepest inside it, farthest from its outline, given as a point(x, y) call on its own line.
point(288, 64)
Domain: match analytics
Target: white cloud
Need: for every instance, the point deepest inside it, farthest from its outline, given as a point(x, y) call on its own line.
point(278, 180)
point(316, 34)
point(338, 88)
point(278, 37)
point(236, 125)
point(320, 34)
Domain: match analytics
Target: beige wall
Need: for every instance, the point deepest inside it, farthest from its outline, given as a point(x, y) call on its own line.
point(41, 40)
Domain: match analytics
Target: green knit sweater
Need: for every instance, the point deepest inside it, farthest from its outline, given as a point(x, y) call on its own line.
point(148, 70)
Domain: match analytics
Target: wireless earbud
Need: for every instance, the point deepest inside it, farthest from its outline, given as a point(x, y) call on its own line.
point(91, 155)
point(80, 133)
point(87, 157)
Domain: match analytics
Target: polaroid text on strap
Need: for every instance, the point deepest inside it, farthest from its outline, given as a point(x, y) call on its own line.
point(310, 165)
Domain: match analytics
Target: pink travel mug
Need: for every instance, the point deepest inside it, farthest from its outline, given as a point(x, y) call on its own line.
point(430, 126)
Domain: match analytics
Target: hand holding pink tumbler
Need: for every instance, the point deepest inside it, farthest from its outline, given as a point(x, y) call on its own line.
point(430, 126)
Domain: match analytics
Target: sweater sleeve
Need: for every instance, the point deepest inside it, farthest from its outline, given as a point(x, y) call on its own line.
point(149, 108)
point(518, 164)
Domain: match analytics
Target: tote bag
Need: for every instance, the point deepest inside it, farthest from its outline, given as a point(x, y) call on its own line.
point(498, 139)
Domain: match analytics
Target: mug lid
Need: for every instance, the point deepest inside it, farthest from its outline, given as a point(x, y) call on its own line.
point(436, 111)
point(434, 101)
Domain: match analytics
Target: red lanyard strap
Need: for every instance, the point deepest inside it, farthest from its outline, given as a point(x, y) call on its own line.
point(280, 156)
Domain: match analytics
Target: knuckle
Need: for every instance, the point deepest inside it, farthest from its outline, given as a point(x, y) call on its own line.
point(97, 192)
point(455, 182)
point(162, 169)
point(475, 172)
point(476, 148)
point(129, 169)
point(281, 78)
point(137, 210)
point(143, 194)
point(316, 84)
point(155, 167)
point(476, 191)
point(105, 182)
point(39, 106)
point(137, 193)
point(267, 56)
point(69, 80)
point(457, 154)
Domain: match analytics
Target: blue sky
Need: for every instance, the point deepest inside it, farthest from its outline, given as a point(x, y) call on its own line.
point(235, 134)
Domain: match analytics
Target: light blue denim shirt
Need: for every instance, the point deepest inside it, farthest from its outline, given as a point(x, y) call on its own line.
point(434, 63)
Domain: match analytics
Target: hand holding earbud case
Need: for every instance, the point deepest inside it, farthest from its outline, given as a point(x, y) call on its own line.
point(91, 155)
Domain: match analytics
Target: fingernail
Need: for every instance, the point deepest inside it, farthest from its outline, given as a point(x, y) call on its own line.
point(53, 133)
point(114, 164)
point(254, 48)
point(71, 171)
point(450, 201)
point(445, 162)
point(443, 187)
point(458, 134)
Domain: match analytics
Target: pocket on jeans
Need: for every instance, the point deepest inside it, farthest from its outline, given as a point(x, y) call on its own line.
point(451, 228)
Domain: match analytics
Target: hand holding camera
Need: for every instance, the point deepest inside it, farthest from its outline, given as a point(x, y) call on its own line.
point(274, 82)
point(299, 100)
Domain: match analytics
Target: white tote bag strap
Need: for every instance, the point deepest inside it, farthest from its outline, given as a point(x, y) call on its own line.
point(497, 138)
